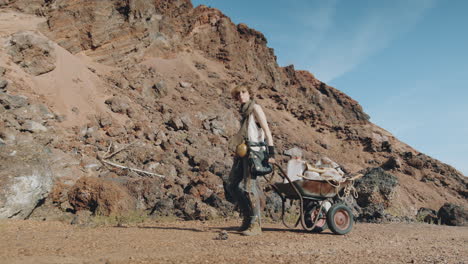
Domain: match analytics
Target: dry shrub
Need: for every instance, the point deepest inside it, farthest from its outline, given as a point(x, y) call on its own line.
point(101, 197)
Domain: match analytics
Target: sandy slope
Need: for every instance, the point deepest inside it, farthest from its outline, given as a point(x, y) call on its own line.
point(12, 22)
point(193, 242)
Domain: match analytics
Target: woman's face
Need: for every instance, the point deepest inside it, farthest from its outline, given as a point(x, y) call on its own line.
point(243, 96)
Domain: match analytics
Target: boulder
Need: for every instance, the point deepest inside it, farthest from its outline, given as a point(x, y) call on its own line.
point(148, 194)
point(177, 123)
point(163, 207)
point(26, 179)
point(185, 84)
point(375, 191)
point(32, 52)
point(427, 215)
point(160, 89)
point(391, 164)
point(193, 209)
point(26, 6)
point(3, 84)
point(13, 101)
point(119, 104)
point(33, 126)
point(453, 215)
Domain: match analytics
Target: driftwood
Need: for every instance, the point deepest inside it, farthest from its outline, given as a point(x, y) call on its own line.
point(118, 151)
point(103, 160)
point(132, 169)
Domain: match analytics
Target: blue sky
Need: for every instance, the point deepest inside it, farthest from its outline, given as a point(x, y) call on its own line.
point(405, 61)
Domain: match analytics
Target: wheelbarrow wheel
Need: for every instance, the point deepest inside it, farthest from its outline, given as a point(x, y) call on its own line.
point(311, 213)
point(340, 219)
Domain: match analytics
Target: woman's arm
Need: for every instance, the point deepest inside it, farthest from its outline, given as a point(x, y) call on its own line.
point(261, 119)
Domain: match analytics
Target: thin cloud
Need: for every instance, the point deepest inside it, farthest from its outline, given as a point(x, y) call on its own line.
point(303, 28)
point(337, 55)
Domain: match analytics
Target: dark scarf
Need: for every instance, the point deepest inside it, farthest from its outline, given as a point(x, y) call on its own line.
point(242, 135)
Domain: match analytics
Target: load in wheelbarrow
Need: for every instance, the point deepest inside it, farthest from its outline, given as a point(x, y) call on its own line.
point(321, 204)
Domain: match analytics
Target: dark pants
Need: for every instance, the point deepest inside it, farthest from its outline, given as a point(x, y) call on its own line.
point(242, 188)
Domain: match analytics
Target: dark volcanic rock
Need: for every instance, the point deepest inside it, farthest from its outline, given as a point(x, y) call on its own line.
point(163, 207)
point(391, 163)
point(148, 193)
point(375, 190)
point(193, 209)
point(427, 215)
point(454, 215)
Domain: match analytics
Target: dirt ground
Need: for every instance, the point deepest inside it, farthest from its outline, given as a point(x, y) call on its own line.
point(195, 242)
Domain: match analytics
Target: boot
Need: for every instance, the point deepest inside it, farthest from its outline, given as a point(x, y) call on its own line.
point(254, 228)
point(245, 224)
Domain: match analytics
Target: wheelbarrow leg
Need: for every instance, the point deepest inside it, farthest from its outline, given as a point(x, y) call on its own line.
point(303, 223)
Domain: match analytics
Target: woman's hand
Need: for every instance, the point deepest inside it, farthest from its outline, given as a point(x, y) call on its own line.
point(272, 160)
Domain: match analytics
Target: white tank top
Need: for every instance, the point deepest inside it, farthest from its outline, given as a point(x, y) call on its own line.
point(255, 133)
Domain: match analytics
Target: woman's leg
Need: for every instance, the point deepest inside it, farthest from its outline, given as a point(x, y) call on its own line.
point(235, 190)
point(253, 199)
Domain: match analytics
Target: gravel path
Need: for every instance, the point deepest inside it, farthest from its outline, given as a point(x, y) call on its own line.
point(194, 242)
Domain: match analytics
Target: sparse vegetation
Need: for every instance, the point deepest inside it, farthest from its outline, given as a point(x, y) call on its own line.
point(128, 219)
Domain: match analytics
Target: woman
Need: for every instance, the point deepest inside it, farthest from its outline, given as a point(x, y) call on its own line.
point(242, 183)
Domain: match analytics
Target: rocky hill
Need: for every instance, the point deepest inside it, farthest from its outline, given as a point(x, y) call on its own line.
point(88, 86)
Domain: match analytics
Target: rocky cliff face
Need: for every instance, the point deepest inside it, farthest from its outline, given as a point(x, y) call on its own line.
point(145, 84)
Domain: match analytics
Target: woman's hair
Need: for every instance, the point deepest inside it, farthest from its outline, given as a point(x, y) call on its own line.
point(241, 87)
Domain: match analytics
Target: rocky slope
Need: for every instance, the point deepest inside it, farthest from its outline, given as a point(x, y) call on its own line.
point(87, 85)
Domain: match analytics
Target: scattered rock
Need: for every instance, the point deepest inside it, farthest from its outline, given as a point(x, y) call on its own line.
point(13, 101)
point(200, 65)
point(33, 52)
point(213, 75)
point(377, 143)
point(163, 207)
point(293, 152)
point(41, 111)
point(3, 84)
point(416, 162)
point(453, 215)
point(104, 121)
point(160, 89)
point(2, 71)
point(185, 84)
point(148, 193)
point(194, 209)
point(176, 123)
point(391, 164)
point(222, 235)
point(118, 104)
point(82, 218)
point(34, 127)
point(204, 211)
point(216, 125)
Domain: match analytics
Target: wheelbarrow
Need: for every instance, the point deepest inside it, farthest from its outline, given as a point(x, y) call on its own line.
point(321, 204)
